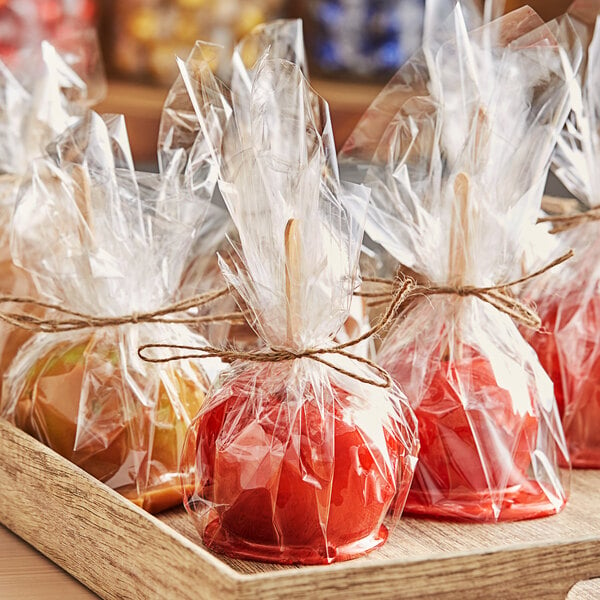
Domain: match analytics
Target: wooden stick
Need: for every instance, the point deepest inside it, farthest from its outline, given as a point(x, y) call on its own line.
point(83, 196)
point(459, 247)
point(83, 199)
point(482, 139)
point(293, 277)
point(459, 232)
point(560, 206)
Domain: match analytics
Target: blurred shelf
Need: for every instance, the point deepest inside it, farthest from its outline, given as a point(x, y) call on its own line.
point(142, 105)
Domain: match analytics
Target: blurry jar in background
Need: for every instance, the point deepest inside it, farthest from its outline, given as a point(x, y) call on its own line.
point(25, 23)
point(368, 39)
point(143, 36)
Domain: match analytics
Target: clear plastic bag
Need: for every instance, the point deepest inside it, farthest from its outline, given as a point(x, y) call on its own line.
point(43, 93)
point(283, 39)
point(456, 150)
point(103, 240)
point(291, 460)
point(569, 300)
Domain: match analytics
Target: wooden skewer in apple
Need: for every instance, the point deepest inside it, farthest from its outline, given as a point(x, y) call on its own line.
point(458, 257)
point(293, 278)
point(82, 195)
point(462, 222)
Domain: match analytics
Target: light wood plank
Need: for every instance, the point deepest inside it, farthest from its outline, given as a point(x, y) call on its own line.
point(25, 573)
point(585, 590)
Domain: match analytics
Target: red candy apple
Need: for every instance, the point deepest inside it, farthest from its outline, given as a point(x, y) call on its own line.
point(296, 476)
point(569, 350)
point(476, 444)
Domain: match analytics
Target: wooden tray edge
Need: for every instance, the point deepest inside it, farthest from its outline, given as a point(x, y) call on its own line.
point(100, 530)
point(98, 527)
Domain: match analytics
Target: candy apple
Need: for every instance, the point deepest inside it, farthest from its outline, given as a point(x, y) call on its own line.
point(76, 401)
point(477, 443)
point(569, 349)
point(295, 475)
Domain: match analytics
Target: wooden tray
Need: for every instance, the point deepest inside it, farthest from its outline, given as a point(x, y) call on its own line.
point(119, 551)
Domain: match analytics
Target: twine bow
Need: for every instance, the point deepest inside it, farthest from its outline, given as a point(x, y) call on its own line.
point(405, 289)
point(274, 355)
point(72, 320)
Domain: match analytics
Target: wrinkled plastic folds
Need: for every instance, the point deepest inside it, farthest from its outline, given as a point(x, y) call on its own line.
point(569, 300)
point(283, 39)
point(293, 462)
point(456, 150)
point(44, 91)
point(101, 239)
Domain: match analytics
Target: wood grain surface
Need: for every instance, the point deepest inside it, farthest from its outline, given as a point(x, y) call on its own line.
point(120, 551)
point(27, 574)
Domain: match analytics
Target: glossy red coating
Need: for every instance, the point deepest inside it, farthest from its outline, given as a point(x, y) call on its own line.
point(476, 447)
point(296, 480)
point(569, 349)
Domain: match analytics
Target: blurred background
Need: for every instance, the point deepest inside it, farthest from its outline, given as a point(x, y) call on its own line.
point(354, 46)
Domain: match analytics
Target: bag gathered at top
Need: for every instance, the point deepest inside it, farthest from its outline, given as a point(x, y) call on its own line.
point(43, 91)
point(301, 448)
point(456, 150)
point(107, 247)
point(568, 300)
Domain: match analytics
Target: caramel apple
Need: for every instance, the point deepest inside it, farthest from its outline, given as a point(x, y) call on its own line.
point(14, 282)
point(75, 401)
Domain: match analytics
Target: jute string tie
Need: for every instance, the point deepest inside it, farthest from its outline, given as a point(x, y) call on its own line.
point(275, 355)
point(569, 221)
point(405, 289)
point(72, 320)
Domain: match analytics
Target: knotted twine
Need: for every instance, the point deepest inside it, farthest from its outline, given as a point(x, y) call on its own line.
point(562, 223)
point(404, 290)
point(74, 320)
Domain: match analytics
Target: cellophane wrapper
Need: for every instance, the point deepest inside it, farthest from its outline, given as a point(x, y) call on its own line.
point(456, 151)
point(293, 461)
point(568, 300)
point(42, 93)
point(103, 240)
point(283, 38)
